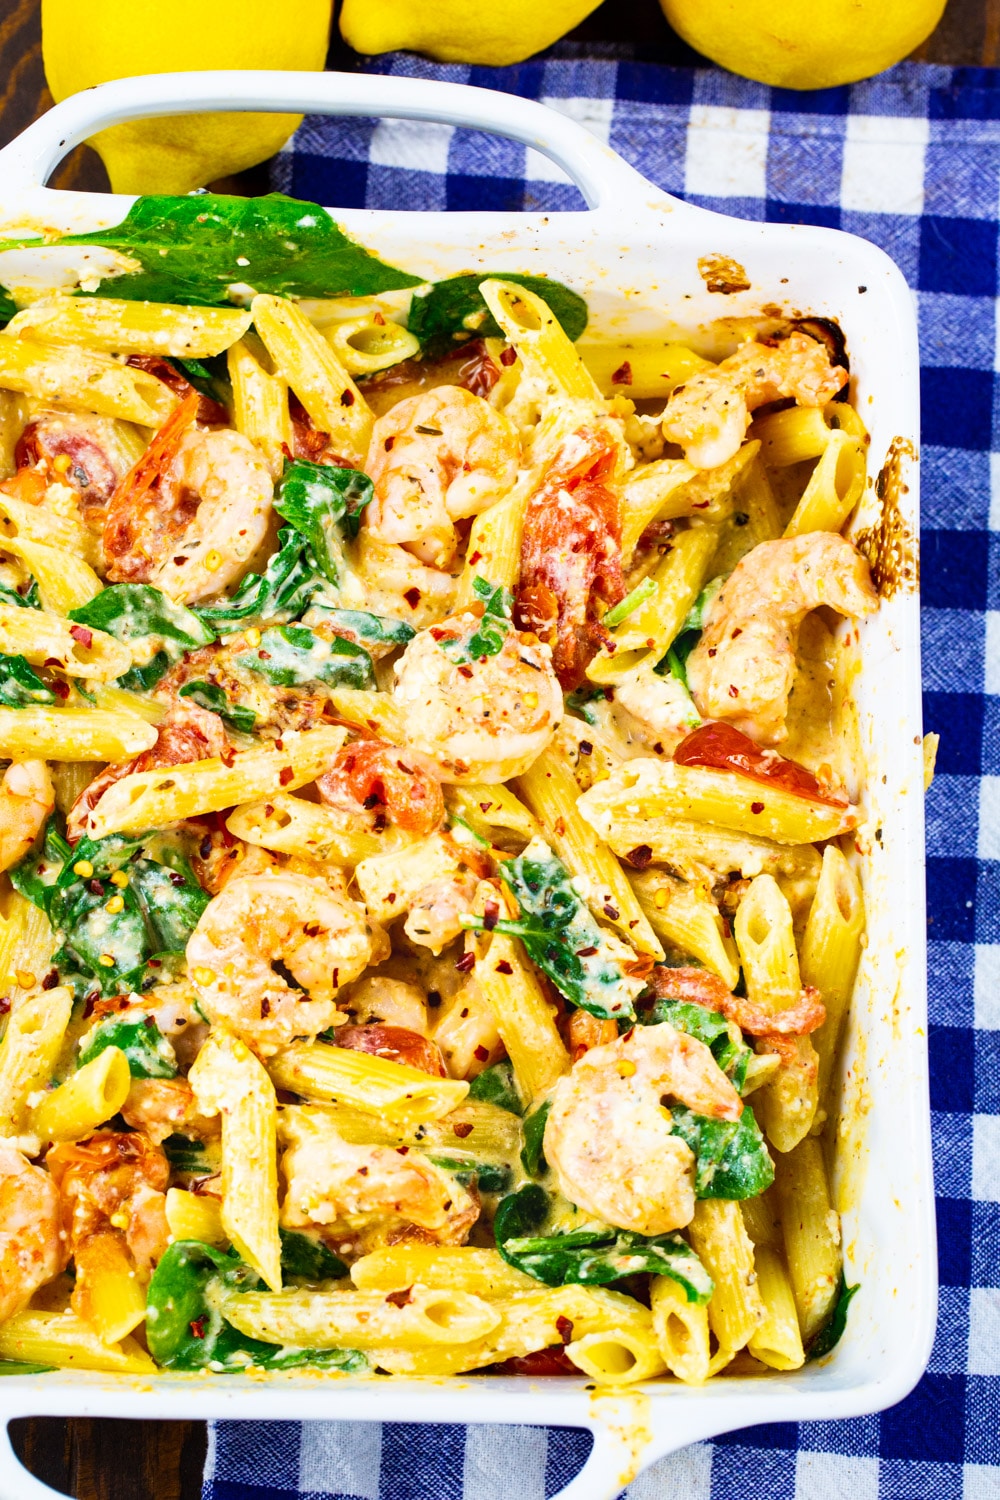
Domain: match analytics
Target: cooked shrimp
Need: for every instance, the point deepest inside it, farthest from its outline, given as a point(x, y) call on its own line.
point(31, 1249)
point(114, 1178)
point(27, 798)
point(191, 513)
point(702, 987)
point(255, 923)
point(482, 718)
point(379, 783)
point(90, 454)
point(743, 667)
point(433, 460)
point(608, 1136)
point(395, 1002)
point(709, 415)
point(333, 1182)
point(164, 1106)
point(434, 919)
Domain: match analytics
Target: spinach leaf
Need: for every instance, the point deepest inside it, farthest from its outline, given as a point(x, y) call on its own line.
point(210, 377)
point(294, 656)
point(374, 632)
point(194, 249)
point(581, 702)
point(591, 1257)
point(187, 1155)
point(744, 1169)
point(456, 307)
point(829, 1337)
point(20, 684)
point(8, 307)
point(496, 1085)
point(707, 1138)
point(488, 638)
point(30, 599)
point(136, 611)
point(147, 1050)
point(185, 1326)
point(20, 1366)
point(561, 937)
point(487, 1176)
point(209, 695)
point(301, 1255)
point(320, 502)
point(38, 871)
point(674, 663)
point(533, 1153)
point(287, 587)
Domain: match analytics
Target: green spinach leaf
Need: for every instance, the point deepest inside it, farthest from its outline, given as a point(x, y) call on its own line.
point(194, 249)
point(829, 1337)
point(489, 636)
point(496, 1085)
point(533, 1152)
point(294, 656)
point(301, 1255)
point(146, 1049)
point(455, 309)
point(8, 307)
point(487, 1176)
point(30, 599)
point(20, 684)
point(210, 696)
point(378, 634)
point(591, 1257)
point(136, 611)
point(322, 502)
point(286, 588)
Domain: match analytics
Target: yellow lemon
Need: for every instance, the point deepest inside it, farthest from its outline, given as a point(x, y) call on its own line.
point(804, 44)
point(469, 31)
point(86, 44)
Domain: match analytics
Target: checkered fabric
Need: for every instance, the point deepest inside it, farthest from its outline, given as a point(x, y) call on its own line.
point(910, 160)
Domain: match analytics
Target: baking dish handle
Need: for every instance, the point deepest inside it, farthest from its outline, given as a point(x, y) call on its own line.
point(16, 1482)
point(604, 180)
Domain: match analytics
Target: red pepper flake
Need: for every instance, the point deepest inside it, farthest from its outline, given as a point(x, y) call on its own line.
point(265, 1009)
point(465, 672)
point(736, 632)
point(466, 962)
point(586, 952)
point(564, 1328)
point(713, 650)
point(481, 1053)
point(756, 807)
point(83, 635)
point(586, 748)
point(4, 1005)
point(485, 806)
point(51, 980)
point(623, 374)
point(610, 911)
point(285, 775)
point(391, 898)
point(52, 661)
point(347, 398)
point(197, 1326)
point(462, 1129)
point(389, 444)
point(227, 756)
point(179, 562)
point(640, 856)
point(402, 1150)
point(89, 1001)
point(734, 692)
point(401, 1298)
point(491, 915)
point(474, 557)
point(508, 356)
point(412, 597)
point(268, 809)
point(503, 967)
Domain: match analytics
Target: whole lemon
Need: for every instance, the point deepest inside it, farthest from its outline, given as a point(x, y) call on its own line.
point(505, 31)
point(121, 38)
point(804, 44)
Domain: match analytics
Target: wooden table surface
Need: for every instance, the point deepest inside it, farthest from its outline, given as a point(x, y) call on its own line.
point(117, 1460)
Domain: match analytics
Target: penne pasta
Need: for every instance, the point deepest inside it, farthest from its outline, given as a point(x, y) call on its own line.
point(831, 950)
point(811, 1230)
point(777, 1341)
point(370, 342)
point(735, 1308)
point(539, 339)
point(88, 1098)
point(260, 404)
point(455, 1268)
point(66, 1341)
point(834, 489)
point(524, 1017)
point(64, 580)
point(306, 361)
point(107, 1293)
point(29, 1052)
point(76, 650)
point(37, 523)
point(685, 915)
point(681, 1330)
point(83, 380)
point(290, 825)
point(641, 370)
point(315, 1070)
point(192, 1216)
point(119, 327)
point(363, 1320)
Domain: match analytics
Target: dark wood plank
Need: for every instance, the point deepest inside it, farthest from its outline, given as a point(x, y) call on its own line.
point(116, 1460)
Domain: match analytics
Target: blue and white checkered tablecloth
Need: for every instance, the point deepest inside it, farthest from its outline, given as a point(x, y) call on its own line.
point(910, 160)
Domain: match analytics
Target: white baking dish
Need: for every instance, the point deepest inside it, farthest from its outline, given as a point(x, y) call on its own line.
point(634, 255)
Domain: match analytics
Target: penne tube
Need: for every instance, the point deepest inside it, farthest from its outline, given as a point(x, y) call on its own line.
point(618, 1356)
point(70, 779)
point(37, 523)
point(766, 942)
point(802, 432)
point(362, 1320)
point(538, 337)
point(26, 943)
point(370, 342)
point(390, 883)
point(492, 812)
point(701, 851)
point(831, 950)
point(643, 637)
point(655, 792)
point(43, 638)
point(83, 380)
point(122, 327)
point(29, 1052)
point(811, 1230)
point(260, 405)
point(305, 360)
point(228, 1080)
point(66, 1341)
point(670, 488)
point(755, 518)
point(316, 1070)
point(485, 1131)
point(681, 1330)
point(290, 825)
point(524, 1017)
point(494, 550)
point(88, 1098)
point(834, 489)
point(12, 420)
point(65, 581)
point(456, 1268)
point(192, 1216)
point(152, 799)
point(718, 1235)
point(777, 1341)
point(551, 792)
point(107, 1293)
point(786, 1104)
point(376, 712)
point(116, 700)
point(642, 370)
point(685, 915)
point(763, 1220)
